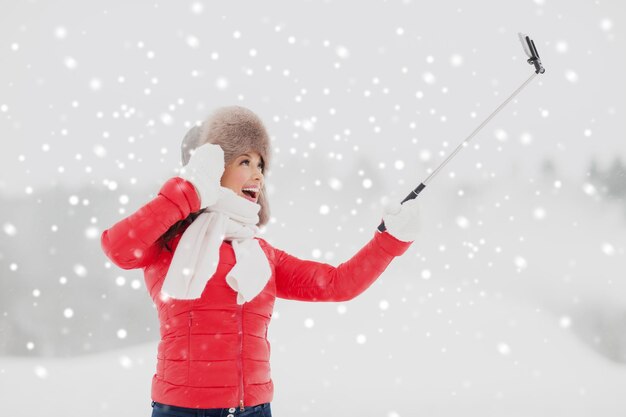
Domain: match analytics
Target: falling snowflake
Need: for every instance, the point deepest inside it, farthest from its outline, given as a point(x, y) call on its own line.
point(197, 7)
point(456, 60)
point(571, 76)
point(192, 42)
point(606, 24)
point(342, 52)
point(539, 213)
point(95, 84)
point(608, 249)
point(100, 151)
point(526, 139)
point(501, 135)
point(428, 77)
point(504, 349)
point(221, 83)
point(60, 32)
point(92, 232)
point(589, 189)
point(70, 62)
point(562, 47)
point(41, 372)
point(10, 229)
point(80, 270)
point(167, 119)
point(520, 263)
point(335, 184)
point(462, 222)
point(125, 362)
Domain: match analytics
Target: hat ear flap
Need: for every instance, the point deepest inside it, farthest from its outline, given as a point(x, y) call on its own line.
point(190, 142)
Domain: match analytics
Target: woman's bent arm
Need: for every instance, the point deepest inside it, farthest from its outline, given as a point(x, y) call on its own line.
point(131, 242)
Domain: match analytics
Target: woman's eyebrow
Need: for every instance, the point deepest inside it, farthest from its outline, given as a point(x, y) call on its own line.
point(249, 156)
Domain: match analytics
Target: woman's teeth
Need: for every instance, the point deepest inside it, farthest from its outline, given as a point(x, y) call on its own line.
point(250, 193)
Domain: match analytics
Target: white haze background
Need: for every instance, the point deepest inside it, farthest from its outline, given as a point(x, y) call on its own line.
point(511, 303)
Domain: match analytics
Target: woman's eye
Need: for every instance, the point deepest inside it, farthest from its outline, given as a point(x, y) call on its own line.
point(247, 161)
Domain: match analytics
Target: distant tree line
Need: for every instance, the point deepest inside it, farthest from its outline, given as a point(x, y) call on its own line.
point(612, 181)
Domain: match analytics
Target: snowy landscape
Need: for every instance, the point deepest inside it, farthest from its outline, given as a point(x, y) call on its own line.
point(511, 303)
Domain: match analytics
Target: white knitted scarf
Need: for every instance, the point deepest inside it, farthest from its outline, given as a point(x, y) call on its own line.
point(196, 257)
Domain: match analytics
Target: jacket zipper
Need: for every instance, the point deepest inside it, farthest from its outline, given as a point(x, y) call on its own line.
point(189, 345)
point(240, 359)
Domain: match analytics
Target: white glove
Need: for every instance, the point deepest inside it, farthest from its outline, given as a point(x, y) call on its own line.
point(204, 170)
point(402, 220)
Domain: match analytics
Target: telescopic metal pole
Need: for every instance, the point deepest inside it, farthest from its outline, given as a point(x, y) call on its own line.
point(478, 129)
point(531, 51)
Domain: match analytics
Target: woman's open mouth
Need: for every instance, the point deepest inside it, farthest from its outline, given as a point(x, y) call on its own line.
point(250, 193)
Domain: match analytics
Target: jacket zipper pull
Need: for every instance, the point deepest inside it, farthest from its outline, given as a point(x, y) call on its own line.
point(241, 408)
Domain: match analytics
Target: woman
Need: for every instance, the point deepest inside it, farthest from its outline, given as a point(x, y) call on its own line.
point(214, 282)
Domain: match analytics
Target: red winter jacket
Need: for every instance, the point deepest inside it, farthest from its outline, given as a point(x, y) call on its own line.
point(213, 352)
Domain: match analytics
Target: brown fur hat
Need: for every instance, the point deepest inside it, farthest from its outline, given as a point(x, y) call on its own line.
point(236, 130)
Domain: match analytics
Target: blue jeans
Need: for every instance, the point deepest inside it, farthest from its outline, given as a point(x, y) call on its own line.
point(162, 410)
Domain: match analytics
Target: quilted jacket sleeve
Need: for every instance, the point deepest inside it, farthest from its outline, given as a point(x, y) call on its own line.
point(298, 279)
point(131, 243)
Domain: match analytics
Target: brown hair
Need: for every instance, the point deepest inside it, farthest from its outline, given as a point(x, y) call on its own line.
point(177, 228)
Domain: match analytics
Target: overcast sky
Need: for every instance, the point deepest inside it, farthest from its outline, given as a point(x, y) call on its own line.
point(99, 91)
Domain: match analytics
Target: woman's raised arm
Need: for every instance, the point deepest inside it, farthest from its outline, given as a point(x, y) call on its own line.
point(131, 242)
